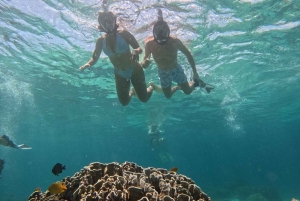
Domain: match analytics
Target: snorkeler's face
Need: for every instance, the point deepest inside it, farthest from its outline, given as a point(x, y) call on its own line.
point(161, 33)
point(107, 22)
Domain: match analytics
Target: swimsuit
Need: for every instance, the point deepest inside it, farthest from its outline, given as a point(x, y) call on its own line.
point(122, 46)
point(176, 75)
point(125, 73)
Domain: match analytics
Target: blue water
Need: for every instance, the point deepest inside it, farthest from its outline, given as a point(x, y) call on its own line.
point(244, 133)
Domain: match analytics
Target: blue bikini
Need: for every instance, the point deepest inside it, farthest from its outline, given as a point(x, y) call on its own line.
point(122, 46)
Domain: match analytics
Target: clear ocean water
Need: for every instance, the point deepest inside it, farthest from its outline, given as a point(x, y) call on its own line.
point(244, 133)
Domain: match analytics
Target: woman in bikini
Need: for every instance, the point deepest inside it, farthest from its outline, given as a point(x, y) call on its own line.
point(115, 44)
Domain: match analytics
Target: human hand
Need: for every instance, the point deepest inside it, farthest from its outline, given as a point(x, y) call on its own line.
point(196, 76)
point(146, 63)
point(85, 66)
point(198, 81)
point(208, 88)
point(135, 55)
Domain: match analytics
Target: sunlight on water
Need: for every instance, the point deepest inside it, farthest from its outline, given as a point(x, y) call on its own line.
point(279, 26)
point(252, 1)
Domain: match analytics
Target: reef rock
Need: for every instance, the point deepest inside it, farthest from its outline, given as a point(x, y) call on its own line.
point(125, 182)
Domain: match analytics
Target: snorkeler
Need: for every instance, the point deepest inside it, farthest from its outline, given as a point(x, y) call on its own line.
point(154, 134)
point(164, 48)
point(115, 44)
point(5, 141)
point(159, 144)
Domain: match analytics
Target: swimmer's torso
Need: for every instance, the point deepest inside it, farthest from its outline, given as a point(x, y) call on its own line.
point(117, 49)
point(165, 56)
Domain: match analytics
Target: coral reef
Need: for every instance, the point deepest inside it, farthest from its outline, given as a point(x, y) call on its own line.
point(125, 182)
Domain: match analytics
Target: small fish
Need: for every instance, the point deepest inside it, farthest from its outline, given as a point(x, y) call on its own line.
point(174, 169)
point(57, 188)
point(57, 169)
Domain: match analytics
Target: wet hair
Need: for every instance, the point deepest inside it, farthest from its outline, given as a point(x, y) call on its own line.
point(100, 26)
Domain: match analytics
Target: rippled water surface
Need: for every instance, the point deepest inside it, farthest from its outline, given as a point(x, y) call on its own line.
point(244, 133)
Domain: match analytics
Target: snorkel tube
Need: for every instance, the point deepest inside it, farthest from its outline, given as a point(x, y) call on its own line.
point(102, 24)
point(161, 30)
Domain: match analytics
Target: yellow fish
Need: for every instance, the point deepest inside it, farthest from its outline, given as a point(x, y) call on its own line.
point(57, 188)
point(174, 169)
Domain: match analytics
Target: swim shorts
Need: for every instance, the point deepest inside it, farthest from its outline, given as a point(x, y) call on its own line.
point(166, 77)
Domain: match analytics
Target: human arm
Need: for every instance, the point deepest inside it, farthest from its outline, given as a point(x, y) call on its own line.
point(130, 39)
point(191, 61)
point(96, 55)
point(146, 62)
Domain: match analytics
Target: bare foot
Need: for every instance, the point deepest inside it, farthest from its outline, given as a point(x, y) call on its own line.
point(156, 87)
point(150, 89)
point(132, 92)
point(178, 87)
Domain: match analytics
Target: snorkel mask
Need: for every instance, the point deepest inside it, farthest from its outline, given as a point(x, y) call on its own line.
point(107, 22)
point(161, 32)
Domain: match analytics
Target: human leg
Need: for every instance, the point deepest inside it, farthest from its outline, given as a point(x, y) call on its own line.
point(157, 88)
point(180, 77)
point(165, 78)
point(139, 84)
point(123, 87)
point(169, 91)
point(187, 87)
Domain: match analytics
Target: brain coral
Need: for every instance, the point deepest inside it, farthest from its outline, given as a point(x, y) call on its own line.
point(125, 182)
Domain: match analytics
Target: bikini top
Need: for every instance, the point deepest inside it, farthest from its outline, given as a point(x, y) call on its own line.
point(122, 46)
